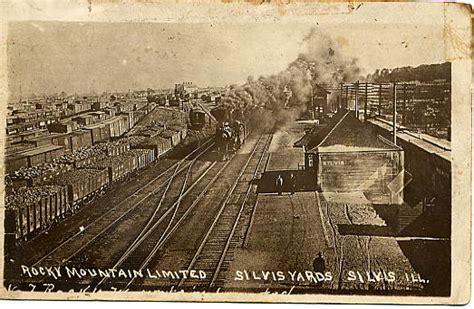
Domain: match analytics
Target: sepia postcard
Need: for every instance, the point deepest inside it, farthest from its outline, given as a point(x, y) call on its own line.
point(286, 151)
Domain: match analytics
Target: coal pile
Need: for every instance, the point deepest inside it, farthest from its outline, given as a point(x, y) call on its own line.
point(27, 196)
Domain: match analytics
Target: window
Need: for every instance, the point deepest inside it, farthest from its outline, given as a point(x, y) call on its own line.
point(310, 160)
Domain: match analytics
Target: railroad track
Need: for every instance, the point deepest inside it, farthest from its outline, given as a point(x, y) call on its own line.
point(95, 228)
point(115, 193)
point(226, 232)
point(145, 247)
point(156, 233)
point(144, 250)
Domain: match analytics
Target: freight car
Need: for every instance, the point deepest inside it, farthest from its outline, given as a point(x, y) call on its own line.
point(172, 136)
point(181, 130)
point(31, 210)
point(73, 141)
point(99, 132)
point(158, 144)
point(143, 157)
point(83, 184)
point(118, 167)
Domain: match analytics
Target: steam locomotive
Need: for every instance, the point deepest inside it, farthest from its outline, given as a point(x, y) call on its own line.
point(229, 137)
point(230, 132)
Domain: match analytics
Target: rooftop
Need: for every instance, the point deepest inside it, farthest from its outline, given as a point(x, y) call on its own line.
point(433, 145)
point(347, 133)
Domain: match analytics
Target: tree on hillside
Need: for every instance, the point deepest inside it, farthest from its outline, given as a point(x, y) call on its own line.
point(422, 73)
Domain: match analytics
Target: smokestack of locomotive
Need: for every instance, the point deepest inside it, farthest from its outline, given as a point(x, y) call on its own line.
point(286, 95)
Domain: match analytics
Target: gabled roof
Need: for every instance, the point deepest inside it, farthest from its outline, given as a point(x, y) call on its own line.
point(306, 139)
point(317, 134)
point(347, 133)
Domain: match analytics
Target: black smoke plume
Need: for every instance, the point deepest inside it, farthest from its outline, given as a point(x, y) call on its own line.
point(281, 98)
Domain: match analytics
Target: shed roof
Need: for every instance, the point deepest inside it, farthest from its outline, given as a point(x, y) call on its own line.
point(317, 134)
point(347, 133)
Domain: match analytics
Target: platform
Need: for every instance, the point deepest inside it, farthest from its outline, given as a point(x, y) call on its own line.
point(286, 235)
point(430, 144)
point(289, 231)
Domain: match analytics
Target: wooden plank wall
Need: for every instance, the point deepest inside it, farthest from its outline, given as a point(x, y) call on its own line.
point(368, 172)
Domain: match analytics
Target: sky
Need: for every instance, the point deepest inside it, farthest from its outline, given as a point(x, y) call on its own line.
point(50, 57)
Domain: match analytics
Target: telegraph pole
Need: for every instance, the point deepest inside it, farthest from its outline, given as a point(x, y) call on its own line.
point(365, 103)
point(347, 97)
point(380, 99)
point(395, 113)
point(340, 98)
point(404, 103)
point(356, 99)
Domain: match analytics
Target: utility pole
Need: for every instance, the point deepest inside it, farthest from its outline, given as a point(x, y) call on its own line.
point(340, 100)
point(380, 99)
point(312, 103)
point(347, 97)
point(395, 113)
point(356, 99)
point(404, 107)
point(365, 103)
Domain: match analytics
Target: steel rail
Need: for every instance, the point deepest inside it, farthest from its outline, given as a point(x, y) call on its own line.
point(237, 219)
point(159, 244)
point(223, 204)
point(155, 225)
point(158, 207)
point(144, 231)
point(155, 249)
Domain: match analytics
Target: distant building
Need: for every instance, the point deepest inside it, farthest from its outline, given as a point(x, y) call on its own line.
point(319, 103)
point(185, 90)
